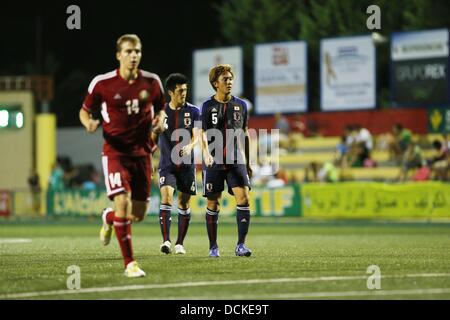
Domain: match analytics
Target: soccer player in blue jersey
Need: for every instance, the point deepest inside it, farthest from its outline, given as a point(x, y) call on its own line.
point(226, 156)
point(176, 166)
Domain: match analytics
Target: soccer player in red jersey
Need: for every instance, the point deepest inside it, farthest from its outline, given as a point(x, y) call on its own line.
point(131, 103)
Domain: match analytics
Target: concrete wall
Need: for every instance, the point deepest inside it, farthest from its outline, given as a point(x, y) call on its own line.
point(16, 145)
point(81, 147)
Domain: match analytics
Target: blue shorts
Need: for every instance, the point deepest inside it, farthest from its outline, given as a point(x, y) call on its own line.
point(213, 180)
point(181, 179)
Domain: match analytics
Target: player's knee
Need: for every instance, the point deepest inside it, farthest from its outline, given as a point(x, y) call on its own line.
point(213, 205)
point(183, 202)
point(121, 203)
point(138, 218)
point(167, 199)
point(243, 200)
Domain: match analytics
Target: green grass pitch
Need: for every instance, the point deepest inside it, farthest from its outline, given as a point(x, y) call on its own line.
point(292, 259)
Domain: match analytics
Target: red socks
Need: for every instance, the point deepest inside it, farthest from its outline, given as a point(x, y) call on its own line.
point(122, 227)
point(110, 217)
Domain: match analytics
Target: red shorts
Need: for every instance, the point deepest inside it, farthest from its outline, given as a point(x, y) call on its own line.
point(125, 174)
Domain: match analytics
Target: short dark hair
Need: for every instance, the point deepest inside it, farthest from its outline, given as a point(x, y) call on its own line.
point(173, 80)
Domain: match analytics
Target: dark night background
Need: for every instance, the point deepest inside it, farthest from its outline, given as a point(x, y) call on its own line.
point(169, 31)
point(35, 39)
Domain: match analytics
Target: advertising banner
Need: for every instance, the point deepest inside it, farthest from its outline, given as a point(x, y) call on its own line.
point(284, 201)
point(376, 200)
point(5, 203)
point(439, 120)
point(204, 60)
point(347, 68)
point(281, 77)
point(419, 68)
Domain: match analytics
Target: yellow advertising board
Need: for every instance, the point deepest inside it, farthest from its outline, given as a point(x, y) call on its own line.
point(376, 200)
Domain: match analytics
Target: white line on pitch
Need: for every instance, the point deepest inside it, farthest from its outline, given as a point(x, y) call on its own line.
point(304, 295)
point(204, 284)
point(14, 240)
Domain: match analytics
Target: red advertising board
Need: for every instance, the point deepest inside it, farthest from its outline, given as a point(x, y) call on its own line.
point(5, 203)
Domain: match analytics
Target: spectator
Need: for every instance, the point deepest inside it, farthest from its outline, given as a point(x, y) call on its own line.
point(278, 180)
point(399, 142)
point(328, 173)
point(311, 172)
point(354, 149)
point(35, 188)
point(365, 143)
point(282, 124)
point(296, 133)
point(92, 181)
point(439, 162)
point(262, 172)
point(446, 141)
point(412, 159)
point(56, 182)
point(342, 152)
point(315, 172)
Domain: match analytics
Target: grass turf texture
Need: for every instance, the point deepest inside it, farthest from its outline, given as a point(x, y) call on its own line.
point(280, 250)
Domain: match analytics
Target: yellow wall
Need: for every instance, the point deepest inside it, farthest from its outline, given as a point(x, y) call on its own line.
point(45, 146)
point(16, 146)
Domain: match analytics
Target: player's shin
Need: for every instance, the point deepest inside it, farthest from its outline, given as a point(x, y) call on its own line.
point(122, 227)
point(184, 216)
point(243, 221)
point(165, 221)
point(211, 226)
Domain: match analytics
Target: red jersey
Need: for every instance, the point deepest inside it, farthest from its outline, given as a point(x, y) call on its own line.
point(127, 110)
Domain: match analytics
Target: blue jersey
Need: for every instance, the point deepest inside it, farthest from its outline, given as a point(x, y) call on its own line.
point(222, 117)
point(172, 140)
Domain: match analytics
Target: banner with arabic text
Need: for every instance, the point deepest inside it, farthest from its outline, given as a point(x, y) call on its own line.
point(376, 200)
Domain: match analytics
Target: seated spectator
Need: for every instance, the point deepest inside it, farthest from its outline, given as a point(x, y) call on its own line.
point(262, 172)
point(446, 141)
point(439, 163)
point(296, 134)
point(328, 173)
point(399, 142)
point(93, 180)
point(56, 181)
point(282, 124)
point(365, 141)
point(311, 172)
point(278, 180)
point(350, 135)
point(315, 172)
point(341, 152)
point(35, 188)
point(354, 149)
point(412, 159)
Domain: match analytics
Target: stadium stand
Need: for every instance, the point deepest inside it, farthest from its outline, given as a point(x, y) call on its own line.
point(323, 149)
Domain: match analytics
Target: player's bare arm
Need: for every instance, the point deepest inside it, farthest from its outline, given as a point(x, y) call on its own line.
point(187, 149)
point(154, 136)
point(88, 122)
point(208, 158)
point(158, 123)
